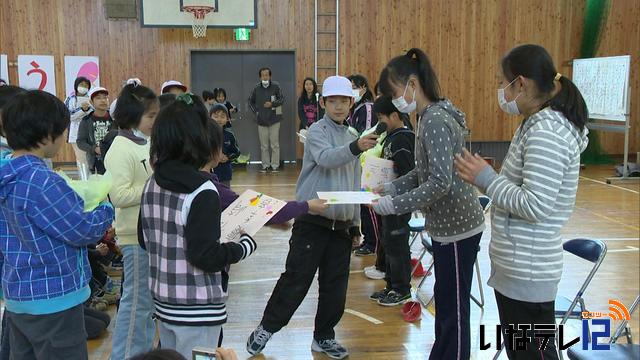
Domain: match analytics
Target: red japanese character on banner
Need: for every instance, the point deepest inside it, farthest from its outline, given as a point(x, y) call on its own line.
point(37, 72)
point(43, 75)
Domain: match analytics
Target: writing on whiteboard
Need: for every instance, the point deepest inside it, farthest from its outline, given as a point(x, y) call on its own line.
point(604, 84)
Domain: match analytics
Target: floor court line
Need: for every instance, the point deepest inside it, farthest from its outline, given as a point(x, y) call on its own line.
point(608, 218)
point(364, 316)
point(628, 249)
point(604, 183)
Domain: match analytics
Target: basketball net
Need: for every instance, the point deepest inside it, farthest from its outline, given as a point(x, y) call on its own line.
point(199, 13)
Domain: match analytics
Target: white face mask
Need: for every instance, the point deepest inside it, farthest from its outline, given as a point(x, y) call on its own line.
point(265, 83)
point(356, 95)
point(82, 90)
point(402, 105)
point(510, 107)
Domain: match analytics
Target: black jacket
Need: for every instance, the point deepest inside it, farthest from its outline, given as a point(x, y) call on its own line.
point(398, 146)
point(202, 230)
point(361, 112)
point(259, 96)
point(308, 106)
point(86, 140)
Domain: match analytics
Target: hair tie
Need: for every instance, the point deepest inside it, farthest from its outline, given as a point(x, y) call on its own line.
point(558, 76)
point(185, 98)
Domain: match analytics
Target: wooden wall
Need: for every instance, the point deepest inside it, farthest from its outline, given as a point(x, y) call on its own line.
point(621, 36)
point(79, 27)
point(464, 38)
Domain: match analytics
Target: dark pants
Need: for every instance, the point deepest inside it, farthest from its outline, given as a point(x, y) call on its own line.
point(521, 312)
point(4, 339)
point(381, 256)
point(98, 167)
point(59, 335)
point(452, 290)
point(95, 322)
point(370, 227)
point(312, 248)
point(395, 241)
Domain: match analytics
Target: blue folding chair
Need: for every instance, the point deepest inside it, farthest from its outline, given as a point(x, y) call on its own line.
point(485, 202)
point(626, 351)
point(593, 251)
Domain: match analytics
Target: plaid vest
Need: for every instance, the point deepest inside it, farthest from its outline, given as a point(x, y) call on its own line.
point(183, 294)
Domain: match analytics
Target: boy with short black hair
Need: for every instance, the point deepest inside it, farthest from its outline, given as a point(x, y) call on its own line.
point(230, 151)
point(44, 235)
point(321, 242)
point(94, 128)
point(209, 99)
point(397, 146)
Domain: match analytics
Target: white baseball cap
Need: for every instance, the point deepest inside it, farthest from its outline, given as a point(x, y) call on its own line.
point(171, 83)
point(97, 89)
point(337, 86)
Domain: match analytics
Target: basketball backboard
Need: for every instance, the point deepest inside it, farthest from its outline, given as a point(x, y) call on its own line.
point(226, 13)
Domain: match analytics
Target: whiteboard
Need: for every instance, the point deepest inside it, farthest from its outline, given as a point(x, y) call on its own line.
point(604, 84)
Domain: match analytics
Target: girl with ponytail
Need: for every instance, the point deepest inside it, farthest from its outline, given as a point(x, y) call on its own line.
point(455, 217)
point(535, 192)
point(128, 160)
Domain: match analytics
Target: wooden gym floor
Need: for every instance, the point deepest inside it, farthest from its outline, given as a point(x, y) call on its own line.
point(370, 331)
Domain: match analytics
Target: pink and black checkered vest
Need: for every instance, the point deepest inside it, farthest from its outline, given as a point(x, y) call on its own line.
point(183, 294)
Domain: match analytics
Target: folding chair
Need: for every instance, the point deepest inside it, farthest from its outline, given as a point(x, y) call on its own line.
point(417, 227)
point(617, 351)
point(485, 202)
point(593, 251)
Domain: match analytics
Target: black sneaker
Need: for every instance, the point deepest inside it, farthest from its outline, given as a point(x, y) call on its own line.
point(330, 347)
point(364, 251)
point(379, 294)
point(394, 298)
point(258, 340)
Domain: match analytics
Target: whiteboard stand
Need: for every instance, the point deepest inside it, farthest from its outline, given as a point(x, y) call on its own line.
point(604, 85)
point(625, 164)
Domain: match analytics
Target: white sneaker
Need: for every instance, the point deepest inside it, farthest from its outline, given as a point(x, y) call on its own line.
point(375, 274)
point(369, 268)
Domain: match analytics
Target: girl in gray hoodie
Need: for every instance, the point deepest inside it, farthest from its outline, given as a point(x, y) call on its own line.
point(455, 220)
point(534, 194)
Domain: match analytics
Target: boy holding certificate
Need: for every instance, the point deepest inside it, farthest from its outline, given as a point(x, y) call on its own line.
point(321, 242)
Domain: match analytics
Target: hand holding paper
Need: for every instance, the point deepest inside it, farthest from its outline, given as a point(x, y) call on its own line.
point(247, 215)
point(376, 172)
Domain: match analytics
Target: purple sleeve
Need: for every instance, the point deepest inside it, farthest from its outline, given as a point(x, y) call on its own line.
point(291, 210)
point(226, 195)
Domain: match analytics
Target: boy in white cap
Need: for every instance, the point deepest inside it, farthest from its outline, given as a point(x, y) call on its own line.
point(94, 127)
point(173, 87)
point(321, 242)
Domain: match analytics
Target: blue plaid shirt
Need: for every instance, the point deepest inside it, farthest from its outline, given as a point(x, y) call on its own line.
point(43, 237)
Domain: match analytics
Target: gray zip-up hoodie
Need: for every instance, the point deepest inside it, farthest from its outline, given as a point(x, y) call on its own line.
point(533, 197)
point(330, 163)
point(449, 204)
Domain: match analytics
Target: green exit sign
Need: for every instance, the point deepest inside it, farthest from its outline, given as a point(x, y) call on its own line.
point(242, 34)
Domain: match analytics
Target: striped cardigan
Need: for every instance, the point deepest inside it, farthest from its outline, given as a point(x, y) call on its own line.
point(533, 196)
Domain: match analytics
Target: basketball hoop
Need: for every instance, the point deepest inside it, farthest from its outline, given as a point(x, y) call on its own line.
point(199, 13)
